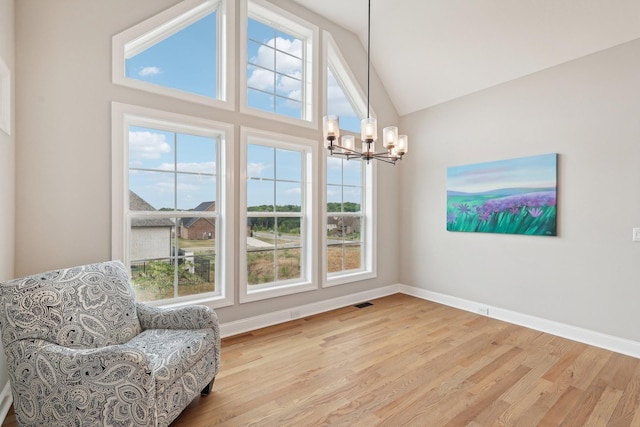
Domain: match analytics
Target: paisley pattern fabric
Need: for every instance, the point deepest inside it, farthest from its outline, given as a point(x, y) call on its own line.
point(82, 352)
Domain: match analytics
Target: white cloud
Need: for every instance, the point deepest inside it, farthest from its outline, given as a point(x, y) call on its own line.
point(147, 145)
point(195, 167)
point(261, 79)
point(293, 88)
point(149, 71)
point(255, 169)
point(290, 65)
point(337, 102)
point(293, 191)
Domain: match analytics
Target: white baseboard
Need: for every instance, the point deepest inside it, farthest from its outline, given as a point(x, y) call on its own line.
point(6, 399)
point(608, 342)
point(268, 319)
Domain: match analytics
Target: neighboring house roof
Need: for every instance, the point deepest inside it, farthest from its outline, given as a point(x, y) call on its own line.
point(202, 207)
point(137, 203)
point(344, 220)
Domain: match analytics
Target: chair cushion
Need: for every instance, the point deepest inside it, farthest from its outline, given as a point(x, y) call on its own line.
point(89, 306)
point(172, 352)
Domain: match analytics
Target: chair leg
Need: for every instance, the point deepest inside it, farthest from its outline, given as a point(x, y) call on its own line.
point(205, 391)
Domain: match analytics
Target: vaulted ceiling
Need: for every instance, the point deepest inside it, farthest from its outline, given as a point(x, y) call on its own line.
point(430, 51)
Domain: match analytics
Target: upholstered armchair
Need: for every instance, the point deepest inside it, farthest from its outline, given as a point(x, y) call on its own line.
point(82, 352)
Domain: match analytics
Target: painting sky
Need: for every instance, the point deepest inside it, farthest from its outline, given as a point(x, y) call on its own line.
point(525, 172)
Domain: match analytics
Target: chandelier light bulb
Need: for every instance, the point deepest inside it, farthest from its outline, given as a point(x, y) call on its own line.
point(348, 144)
point(389, 136)
point(403, 144)
point(369, 129)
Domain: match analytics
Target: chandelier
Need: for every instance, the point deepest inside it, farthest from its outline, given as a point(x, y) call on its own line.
point(395, 146)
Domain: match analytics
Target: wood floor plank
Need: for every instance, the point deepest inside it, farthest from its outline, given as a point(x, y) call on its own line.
point(607, 403)
point(627, 407)
point(408, 362)
point(561, 409)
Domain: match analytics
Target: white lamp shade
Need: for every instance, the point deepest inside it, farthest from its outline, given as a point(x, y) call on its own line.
point(349, 143)
point(369, 129)
point(389, 136)
point(403, 144)
point(330, 127)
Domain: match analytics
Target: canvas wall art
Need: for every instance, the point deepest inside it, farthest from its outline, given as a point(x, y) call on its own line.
point(515, 196)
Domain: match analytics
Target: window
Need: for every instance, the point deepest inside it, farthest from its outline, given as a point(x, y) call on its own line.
point(343, 96)
point(276, 243)
point(278, 72)
point(348, 222)
point(300, 219)
point(338, 104)
point(169, 191)
point(349, 239)
point(180, 53)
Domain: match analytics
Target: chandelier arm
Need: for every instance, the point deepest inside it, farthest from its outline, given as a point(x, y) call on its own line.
point(384, 159)
point(348, 150)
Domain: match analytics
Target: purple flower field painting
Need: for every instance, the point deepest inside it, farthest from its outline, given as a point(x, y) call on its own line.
point(515, 196)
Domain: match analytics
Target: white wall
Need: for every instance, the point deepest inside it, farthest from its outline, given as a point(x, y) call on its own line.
point(64, 151)
point(586, 110)
point(7, 163)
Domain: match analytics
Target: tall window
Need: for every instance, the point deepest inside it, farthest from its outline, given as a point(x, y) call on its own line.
point(339, 104)
point(344, 215)
point(343, 96)
point(349, 225)
point(278, 201)
point(180, 52)
point(172, 202)
point(279, 62)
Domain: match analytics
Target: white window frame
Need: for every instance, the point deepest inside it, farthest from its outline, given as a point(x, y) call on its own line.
point(308, 259)
point(123, 116)
point(345, 77)
point(368, 230)
point(343, 74)
point(287, 22)
point(153, 30)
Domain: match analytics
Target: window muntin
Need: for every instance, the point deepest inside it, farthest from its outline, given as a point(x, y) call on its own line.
point(274, 186)
point(349, 223)
point(278, 72)
point(171, 205)
point(173, 224)
point(172, 170)
point(278, 199)
point(344, 237)
point(274, 70)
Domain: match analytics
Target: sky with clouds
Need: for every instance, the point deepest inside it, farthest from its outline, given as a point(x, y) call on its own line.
point(177, 170)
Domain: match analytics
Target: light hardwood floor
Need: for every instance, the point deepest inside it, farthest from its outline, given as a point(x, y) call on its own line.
point(408, 362)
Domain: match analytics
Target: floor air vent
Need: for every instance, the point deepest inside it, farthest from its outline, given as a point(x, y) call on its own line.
point(363, 304)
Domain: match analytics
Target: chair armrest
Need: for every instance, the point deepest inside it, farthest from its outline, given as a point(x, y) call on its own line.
point(190, 317)
point(82, 386)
